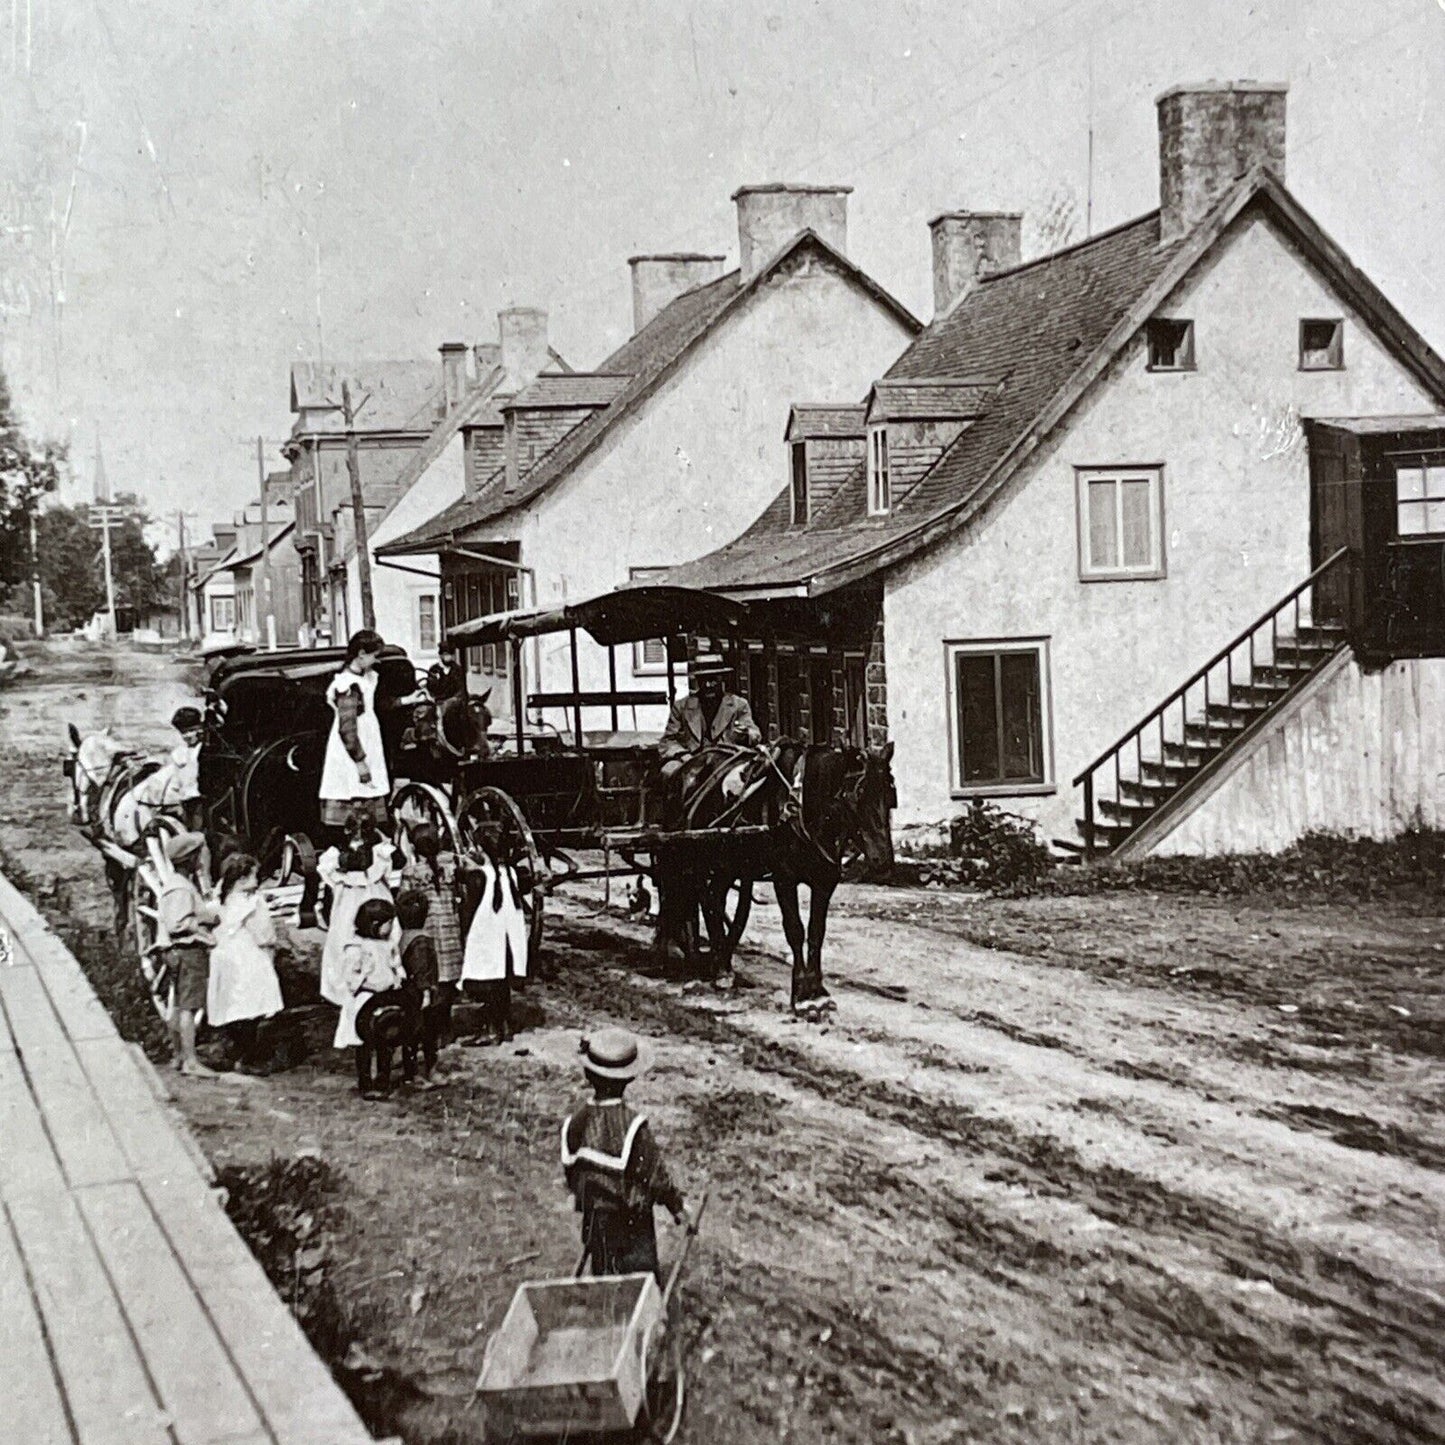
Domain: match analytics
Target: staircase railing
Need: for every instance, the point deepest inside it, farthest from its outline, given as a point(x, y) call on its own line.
point(1244, 652)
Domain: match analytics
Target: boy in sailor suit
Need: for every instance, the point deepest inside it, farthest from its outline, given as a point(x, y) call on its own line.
point(613, 1166)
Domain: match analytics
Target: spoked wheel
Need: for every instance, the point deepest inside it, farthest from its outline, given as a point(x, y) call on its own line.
point(666, 1395)
point(489, 820)
point(413, 804)
point(145, 919)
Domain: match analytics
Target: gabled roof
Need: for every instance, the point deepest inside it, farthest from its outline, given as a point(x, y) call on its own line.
point(930, 398)
point(279, 535)
point(388, 395)
point(813, 421)
point(646, 359)
point(580, 388)
point(1049, 329)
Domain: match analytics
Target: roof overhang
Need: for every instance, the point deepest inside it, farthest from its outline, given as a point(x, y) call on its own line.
point(630, 614)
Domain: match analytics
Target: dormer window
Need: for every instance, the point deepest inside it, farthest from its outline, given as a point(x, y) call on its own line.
point(1321, 345)
point(880, 491)
point(800, 483)
point(1171, 345)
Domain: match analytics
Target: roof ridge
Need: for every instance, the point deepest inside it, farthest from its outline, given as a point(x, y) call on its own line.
point(1071, 248)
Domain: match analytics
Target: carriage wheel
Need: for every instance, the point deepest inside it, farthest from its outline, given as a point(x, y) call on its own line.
point(413, 804)
point(490, 814)
point(145, 913)
point(666, 1394)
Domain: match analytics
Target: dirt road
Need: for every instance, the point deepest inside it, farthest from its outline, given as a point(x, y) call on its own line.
point(1105, 1169)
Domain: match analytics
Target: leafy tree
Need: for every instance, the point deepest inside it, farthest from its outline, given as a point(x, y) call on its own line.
point(27, 473)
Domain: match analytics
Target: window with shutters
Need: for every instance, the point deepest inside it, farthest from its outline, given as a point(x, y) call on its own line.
point(649, 658)
point(998, 695)
point(1121, 523)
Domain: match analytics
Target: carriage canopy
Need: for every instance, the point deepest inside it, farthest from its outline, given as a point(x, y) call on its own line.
point(631, 614)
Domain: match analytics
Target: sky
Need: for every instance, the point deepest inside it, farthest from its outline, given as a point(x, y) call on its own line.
point(234, 187)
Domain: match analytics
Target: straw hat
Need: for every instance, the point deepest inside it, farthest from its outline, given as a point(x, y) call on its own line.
point(389, 1020)
point(613, 1054)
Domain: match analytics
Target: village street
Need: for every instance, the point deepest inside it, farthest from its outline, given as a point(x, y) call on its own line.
point(1109, 1168)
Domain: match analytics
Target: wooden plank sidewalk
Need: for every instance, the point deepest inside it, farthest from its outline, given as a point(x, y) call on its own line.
point(131, 1312)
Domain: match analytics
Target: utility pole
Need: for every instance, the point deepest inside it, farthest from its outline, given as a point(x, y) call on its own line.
point(358, 510)
point(266, 610)
point(185, 587)
point(106, 516)
point(35, 579)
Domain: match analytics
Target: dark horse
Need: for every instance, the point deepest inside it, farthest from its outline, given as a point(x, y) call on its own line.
point(815, 803)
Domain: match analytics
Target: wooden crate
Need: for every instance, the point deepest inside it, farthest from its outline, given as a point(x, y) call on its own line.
point(570, 1356)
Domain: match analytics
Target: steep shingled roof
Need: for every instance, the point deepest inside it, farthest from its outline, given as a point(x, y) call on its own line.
point(1049, 329)
point(819, 421)
point(646, 359)
point(579, 388)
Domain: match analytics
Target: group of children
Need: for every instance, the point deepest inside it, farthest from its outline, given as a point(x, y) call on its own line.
point(395, 965)
point(392, 964)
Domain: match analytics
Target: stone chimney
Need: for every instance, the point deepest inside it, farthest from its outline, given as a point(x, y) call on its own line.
point(969, 246)
point(524, 346)
point(769, 216)
point(1211, 134)
point(455, 378)
point(658, 280)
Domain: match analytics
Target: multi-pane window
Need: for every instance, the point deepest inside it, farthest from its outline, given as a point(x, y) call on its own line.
point(1420, 497)
point(1120, 523)
point(1321, 345)
point(800, 483)
point(649, 658)
point(998, 715)
point(223, 614)
point(880, 490)
point(789, 688)
point(1171, 345)
point(820, 699)
point(426, 622)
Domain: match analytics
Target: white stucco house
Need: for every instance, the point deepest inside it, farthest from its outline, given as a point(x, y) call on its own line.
point(1139, 538)
point(582, 482)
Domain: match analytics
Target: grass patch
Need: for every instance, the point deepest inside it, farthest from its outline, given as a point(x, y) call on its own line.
point(1321, 867)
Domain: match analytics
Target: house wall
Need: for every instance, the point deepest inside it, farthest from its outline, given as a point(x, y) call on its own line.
point(1235, 530)
point(221, 585)
point(1359, 753)
point(702, 457)
point(397, 595)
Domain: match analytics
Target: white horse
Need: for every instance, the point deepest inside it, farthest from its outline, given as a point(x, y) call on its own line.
point(120, 798)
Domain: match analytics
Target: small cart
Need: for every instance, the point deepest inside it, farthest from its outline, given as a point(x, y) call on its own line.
point(583, 1358)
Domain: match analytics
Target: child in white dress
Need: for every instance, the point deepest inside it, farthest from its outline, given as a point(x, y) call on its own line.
point(243, 988)
point(354, 874)
point(496, 948)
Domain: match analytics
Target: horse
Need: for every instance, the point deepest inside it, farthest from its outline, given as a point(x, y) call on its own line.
point(814, 800)
point(118, 798)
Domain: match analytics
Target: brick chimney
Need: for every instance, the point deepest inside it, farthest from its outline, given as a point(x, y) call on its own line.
point(455, 377)
point(524, 346)
point(967, 247)
point(770, 215)
point(1211, 134)
point(659, 280)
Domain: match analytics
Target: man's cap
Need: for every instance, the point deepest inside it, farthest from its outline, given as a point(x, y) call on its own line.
point(186, 718)
point(709, 664)
point(613, 1054)
point(182, 847)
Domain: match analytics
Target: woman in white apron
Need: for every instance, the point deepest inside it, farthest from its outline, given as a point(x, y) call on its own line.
point(354, 777)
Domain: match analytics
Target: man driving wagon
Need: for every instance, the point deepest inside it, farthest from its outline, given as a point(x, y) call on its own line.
point(710, 715)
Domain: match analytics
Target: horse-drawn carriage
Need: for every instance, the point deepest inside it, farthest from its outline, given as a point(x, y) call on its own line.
point(559, 804)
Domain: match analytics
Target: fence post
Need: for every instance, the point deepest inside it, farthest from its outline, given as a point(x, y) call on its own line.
point(1089, 817)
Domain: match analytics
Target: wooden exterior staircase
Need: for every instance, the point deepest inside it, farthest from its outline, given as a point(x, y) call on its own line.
point(1153, 770)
